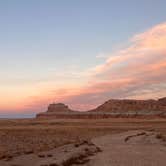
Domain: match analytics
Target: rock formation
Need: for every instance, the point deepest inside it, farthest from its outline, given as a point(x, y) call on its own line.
point(132, 106)
point(162, 101)
point(111, 108)
point(58, 108)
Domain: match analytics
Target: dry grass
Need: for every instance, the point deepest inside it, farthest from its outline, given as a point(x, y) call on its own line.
point(30, 135)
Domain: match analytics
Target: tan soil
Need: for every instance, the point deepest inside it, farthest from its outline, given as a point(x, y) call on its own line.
point(26, 139)
point(142, 149)
point(133, 148)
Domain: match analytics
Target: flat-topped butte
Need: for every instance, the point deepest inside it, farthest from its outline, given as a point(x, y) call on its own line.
point(111, 108)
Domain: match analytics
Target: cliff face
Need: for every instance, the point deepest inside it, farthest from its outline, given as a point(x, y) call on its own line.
point(162, 101)
point(58, 108)
point(111, 108)
point(131, 106)
point(55, 110)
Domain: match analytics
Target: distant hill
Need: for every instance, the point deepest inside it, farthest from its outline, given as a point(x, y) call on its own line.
point(111, 108)
point(132, 106)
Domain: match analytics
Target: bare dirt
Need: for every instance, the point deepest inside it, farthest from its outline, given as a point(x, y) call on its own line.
point(117, 142)
point(133, 148)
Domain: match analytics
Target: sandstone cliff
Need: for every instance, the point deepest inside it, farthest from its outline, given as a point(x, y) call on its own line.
point(58, 108)
point(111, 108)
point(55, 110)
point(132, 106)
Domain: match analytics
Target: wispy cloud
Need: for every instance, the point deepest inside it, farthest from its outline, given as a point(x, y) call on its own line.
point(140, 68)
point(137, 71)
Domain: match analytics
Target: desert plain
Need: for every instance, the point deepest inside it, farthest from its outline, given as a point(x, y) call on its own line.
point(91, 142)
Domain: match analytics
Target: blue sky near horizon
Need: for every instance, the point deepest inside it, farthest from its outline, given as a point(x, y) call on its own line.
point(40, 40)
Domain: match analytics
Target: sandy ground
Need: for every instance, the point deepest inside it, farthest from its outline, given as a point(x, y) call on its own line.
point(66, 155)
point(132, 148)
point(117, 142)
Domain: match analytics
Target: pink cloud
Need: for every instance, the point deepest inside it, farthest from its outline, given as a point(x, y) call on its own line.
point(138, 71)
point(134, 69)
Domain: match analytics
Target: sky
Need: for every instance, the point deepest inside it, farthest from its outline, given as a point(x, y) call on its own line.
point(80, 52)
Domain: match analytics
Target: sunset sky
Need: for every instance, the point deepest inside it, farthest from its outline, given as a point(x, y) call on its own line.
point(80, 52)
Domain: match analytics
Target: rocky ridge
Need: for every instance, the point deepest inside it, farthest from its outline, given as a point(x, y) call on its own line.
point(111, 108)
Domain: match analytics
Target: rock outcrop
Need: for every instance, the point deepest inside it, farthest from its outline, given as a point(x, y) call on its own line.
point(162, 101)
point(111, 108)
point(132, 106)
point(58, 108)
